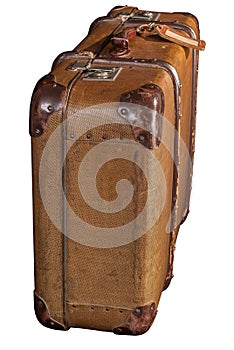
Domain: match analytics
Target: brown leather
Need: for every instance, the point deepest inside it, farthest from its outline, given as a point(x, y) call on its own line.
point(148, 95)
point(48, 97)
point(120, 42)
point(43, 314)
point(139, 321)
point(172, 35)
point(102, 288)
point(68, 55)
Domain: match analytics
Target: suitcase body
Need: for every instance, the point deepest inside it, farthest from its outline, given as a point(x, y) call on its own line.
point(112, 129)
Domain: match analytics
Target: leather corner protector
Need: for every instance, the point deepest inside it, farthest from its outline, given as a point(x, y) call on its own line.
point(43, 314)
point(48, 97)
point(139, 321)
point(143, 108)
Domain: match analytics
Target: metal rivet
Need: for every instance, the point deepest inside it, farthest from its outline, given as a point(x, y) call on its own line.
point(88, 136)
point(137, 311)
point(124, 111)
point(54, 85)
point(127, 95)
point(107, 309)
point(72, 136)
point(51, 323)
point(50, 108)
point(104, 137)
point(37, 131)
point(141, 137)
point(152, 307)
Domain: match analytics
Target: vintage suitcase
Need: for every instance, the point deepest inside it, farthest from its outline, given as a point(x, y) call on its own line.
point(112, 128)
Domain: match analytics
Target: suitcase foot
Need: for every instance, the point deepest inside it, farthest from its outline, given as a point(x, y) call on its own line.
point(139, 321)
point(43, 314)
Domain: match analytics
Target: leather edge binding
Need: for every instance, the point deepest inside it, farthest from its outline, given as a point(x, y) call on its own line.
point(99, 20)
point(43, 314)
point(115, 8)
point(139, 321)
point(188, 14)
point(67, 55)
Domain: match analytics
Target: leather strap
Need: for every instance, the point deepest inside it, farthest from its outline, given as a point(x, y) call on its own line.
point(170, 34)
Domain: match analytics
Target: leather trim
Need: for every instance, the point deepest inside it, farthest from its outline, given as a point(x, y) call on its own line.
point(48, 97)
point(148, 95)
point(139, 321)
point(67, 55)
point(43, 314)
point(116, 8)
point(188, 14)
point(100, 20)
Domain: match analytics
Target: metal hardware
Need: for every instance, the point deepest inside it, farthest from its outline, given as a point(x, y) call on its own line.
point(143, 15)
point(102, 73)
point(75, 66)
point(149, 16)
point(137, 311)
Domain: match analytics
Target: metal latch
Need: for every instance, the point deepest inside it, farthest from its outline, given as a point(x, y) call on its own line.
point(142, 15)
point(102, 73)
point(146, 15)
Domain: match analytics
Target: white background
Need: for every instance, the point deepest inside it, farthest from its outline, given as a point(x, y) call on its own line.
point(196, 312)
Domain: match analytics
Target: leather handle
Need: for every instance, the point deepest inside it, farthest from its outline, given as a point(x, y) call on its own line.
point(120, 42)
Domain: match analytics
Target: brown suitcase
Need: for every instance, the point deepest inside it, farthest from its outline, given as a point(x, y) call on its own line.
point(112, 129)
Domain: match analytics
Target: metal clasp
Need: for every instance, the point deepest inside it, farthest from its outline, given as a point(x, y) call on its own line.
point(143, 15)
point(102, 73)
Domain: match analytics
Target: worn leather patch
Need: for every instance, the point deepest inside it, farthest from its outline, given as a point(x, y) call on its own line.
point(139, 321)
point(43, 314)
point(146, 122)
